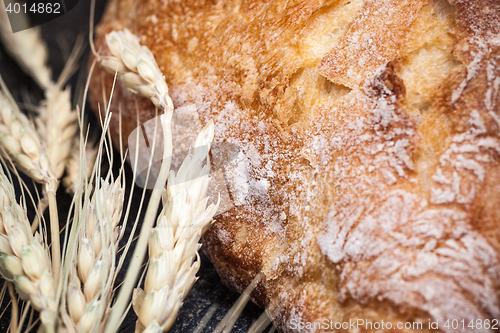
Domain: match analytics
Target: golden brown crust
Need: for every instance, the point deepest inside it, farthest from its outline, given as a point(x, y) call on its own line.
point(368, 183)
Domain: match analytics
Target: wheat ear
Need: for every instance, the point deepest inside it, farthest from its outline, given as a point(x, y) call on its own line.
point(173, 243)
point(89, 290)
point(24, 259)
point(57, 124)
point(21, 142)
point(136, 68)
point(27, 48)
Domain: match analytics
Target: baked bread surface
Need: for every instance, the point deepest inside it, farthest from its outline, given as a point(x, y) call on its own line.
point(368, 182)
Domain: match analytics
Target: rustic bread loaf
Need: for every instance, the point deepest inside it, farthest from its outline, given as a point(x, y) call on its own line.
point(368, 181)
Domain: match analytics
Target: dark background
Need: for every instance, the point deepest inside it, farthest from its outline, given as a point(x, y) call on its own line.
point(60, 35)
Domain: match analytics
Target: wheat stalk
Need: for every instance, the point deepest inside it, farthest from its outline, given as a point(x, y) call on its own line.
point(173, 243)
point(23, 257)
point(27, 48)
point(136, 68)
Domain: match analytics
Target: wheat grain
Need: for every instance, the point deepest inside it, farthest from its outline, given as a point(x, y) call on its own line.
point(89, 290)
point(27, 48)
point(136, 68)
point(173, 243)
point(24, 259)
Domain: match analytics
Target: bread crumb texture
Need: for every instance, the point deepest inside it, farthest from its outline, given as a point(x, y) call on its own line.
point(367, 183)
